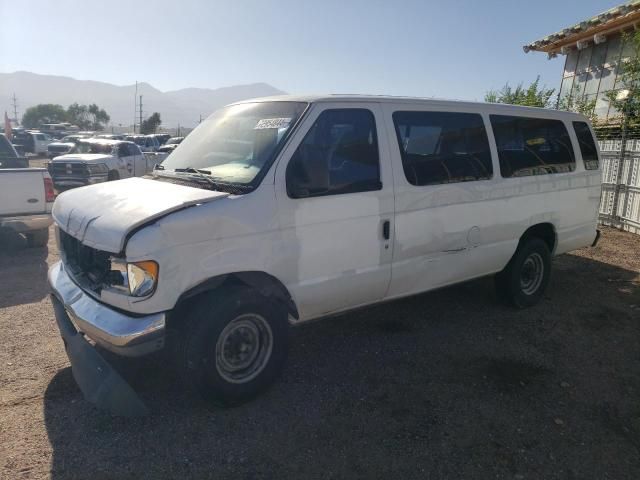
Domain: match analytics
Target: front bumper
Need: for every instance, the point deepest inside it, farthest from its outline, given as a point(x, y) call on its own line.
point(120, 333)
point(27, 223)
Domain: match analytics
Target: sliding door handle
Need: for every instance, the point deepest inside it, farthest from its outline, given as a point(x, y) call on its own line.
point(386, 229)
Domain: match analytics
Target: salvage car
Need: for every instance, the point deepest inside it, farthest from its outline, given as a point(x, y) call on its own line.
point(92, 161)
point(279, 211)
point(63, 146)
point(171, 145)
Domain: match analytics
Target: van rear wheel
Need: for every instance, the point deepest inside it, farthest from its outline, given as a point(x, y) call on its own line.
point(524, 280)
point(235, 346)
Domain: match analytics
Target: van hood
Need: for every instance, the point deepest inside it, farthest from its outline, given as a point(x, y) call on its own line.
point(101, 216)
point(84, 157)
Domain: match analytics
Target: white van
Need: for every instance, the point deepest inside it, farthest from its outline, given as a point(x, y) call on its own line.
point(282, 210)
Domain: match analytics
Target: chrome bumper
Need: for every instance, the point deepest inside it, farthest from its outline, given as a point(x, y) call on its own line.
point(120, 333)
point(27, 223)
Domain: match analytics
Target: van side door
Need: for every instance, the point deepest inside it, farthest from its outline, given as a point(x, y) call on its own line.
point(334, 190)
point(444, 176)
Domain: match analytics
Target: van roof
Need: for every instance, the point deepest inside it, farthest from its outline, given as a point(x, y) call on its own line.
point(413, 100)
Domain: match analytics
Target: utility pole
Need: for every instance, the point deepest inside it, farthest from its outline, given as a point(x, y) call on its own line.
point(140, 113)
point(15, 109)
point(135, 109)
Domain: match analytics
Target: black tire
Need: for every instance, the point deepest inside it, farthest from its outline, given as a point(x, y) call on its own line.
point(219, 332)
point(524, 280)
point(113, 175)
point(38, 238)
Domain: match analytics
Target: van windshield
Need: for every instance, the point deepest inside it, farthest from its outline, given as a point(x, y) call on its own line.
point(236, 143)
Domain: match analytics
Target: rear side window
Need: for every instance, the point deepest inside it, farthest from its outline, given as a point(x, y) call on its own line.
point(532, 146)
point(339, 154)
point(587, 145)
point(443, 147)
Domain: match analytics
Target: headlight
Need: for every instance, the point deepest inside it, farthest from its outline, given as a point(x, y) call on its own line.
point(97, 169)
point(139, 279)
point(142, 277)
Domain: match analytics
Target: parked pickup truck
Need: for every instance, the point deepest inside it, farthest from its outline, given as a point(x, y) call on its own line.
point(26, 197)
point(280, 211)
point(96, 160)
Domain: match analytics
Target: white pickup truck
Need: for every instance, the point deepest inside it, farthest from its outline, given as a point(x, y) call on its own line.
point(96, 160)
point(26, 197)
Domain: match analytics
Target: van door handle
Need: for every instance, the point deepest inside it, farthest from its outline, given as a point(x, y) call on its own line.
point(386, 228)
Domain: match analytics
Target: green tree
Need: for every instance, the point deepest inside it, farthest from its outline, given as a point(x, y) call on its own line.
point(576, 102)
point(88, 117)
point(627, 100)
point(43, 113)
point(532, 96)
point(78, 115)
point(99, 118)
point(151, 124)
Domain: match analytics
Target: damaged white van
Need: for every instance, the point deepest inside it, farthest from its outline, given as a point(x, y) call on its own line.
point(281, 210)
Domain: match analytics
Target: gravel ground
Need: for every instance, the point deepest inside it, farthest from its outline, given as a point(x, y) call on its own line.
point(447, 384)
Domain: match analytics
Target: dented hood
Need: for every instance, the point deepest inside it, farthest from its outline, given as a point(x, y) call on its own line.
point(102, 215)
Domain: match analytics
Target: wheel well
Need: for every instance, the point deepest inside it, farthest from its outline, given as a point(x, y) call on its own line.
point(544, 231)
point(265, 284)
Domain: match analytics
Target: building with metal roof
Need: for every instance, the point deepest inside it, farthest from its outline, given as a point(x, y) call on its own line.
point(594, 50)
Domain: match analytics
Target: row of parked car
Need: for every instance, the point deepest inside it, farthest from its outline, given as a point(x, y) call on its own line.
point(161, 142)
point(39, 142)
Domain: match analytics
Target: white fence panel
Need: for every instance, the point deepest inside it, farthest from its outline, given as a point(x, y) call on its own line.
point(620, 200)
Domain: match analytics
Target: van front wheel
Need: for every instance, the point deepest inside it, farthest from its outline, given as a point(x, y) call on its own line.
point(524, 280)
point(236, 345)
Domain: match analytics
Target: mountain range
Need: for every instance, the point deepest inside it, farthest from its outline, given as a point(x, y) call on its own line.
point(178, 107)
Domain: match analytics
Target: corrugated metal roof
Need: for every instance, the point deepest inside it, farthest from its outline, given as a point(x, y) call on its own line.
point(619, 16)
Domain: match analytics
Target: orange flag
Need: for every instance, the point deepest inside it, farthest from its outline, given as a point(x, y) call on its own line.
point(7, 126)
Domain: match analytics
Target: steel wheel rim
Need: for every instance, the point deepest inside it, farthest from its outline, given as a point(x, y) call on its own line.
point(244, 348)
point(531, 273)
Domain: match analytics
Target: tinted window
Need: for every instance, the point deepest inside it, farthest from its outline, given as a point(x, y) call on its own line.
point(532, 146)
point(587, 145)
point(124, 150)
point(443, 147)
point(339, 154)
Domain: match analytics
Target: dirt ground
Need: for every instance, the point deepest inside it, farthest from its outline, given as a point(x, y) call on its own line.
point(448, 384)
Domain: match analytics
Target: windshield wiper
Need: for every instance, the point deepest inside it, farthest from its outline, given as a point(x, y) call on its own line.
point(202, 174)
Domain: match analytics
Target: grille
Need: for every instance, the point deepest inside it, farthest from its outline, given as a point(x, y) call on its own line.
point(85, 263)
point(61, 169)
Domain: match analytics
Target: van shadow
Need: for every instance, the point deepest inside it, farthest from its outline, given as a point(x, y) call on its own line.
point(433, 383)
point(23, 270)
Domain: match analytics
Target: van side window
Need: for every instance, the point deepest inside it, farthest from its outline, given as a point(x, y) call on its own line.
point(339, 154)
point(587, 145)
point(532, 146)
point(443, 147)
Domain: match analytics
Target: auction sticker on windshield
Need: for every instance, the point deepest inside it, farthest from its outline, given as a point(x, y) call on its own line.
point(272, 123)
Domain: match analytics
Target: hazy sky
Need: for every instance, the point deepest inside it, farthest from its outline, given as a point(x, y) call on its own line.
point(453, 48)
